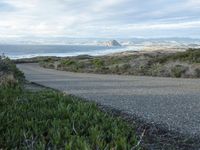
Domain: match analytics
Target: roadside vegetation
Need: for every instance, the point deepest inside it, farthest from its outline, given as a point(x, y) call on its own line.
point(180, 64)
point(9, 74)
point(50, 120)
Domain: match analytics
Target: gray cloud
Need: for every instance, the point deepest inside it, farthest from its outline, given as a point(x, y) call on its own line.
point(103, 18)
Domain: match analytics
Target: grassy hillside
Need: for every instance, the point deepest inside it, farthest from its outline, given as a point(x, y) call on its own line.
point(180, 64)
point(51, 120)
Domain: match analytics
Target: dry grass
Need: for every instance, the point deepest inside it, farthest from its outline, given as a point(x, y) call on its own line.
point(8, 80)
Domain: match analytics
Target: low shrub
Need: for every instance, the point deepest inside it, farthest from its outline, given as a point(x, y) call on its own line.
point(156, 70)
point(49, 59)
point(178, 71)
point(9, 70)
point(67, 62)
point(98, 63)
point(8, 80)
point(126, 66)
point(197, 72)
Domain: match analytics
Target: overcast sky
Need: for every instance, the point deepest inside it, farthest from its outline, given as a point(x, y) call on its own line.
point(100, 18)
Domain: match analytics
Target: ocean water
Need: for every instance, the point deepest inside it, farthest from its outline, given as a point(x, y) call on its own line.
point(28, 51)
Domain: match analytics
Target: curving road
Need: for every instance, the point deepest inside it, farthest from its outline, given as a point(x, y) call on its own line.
point(174, 103)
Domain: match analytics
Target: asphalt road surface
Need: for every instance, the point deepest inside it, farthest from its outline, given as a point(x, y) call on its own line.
point(174, 103)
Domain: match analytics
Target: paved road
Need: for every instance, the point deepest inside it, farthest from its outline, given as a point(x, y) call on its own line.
point(171, 102)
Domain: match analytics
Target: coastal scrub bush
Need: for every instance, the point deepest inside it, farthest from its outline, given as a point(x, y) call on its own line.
point(178, 71)
point(9, 70)
point(8, 81)
point(98, 63)
point(68, 62)
point(114, 69)
point(126, 66)
point(197, 72)
point(49, 59)
point(156, 70)
point(69, 65)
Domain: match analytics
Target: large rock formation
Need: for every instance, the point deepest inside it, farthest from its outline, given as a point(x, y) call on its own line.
point(112, 43)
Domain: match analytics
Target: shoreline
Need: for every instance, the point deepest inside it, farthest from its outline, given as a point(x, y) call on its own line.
point(110, 54)
point(97, 50)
